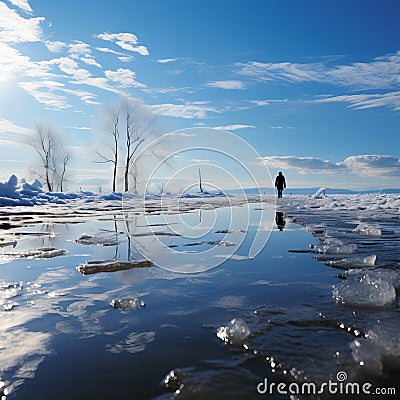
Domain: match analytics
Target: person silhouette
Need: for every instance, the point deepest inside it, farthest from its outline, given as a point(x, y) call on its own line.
point(280, 220)
point(280, 183)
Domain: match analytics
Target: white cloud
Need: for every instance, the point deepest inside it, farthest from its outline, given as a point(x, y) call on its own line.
point(167, 60)
point(107, 50)
point(363, 101)
point(7, 126)
point(123, 77)
point(79, 49)
point(362, 165)
point(234, 127)
point(229, 85)
point(80, 128)
point(56, 46)
point(70, 67)
point(22, 4)
point(127, 41)
point(382, 72)
point(373, 165)
point(125, 58)
point(16, 29)
point(260, 102)
point(43, 92)
point(301, 163)
point(90, 61)
point(188, 111)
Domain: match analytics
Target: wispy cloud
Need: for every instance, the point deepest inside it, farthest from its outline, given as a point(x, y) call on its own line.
point(11, 134)
point(127, 41)
point(43, 92)
point(167, 60)
point(125, 58)
point(16, 29)
point(22, 4)
point(7, 126)
point(229, 85)
point(362, 165)
point(80, 128)
point(107, 50)
point(188, 111)
point(123, 77)
point(234, 127)
point(363, 101)
point(262, 103)
point(55, 46)
point(381, 72)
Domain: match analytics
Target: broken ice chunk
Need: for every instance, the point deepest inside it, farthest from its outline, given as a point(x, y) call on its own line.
point(43, 252)
point(124, 304)
point(364, 290)
point(353, 262)
point(368, 230)
point(236, 332)
point(110, 240)
point(92, 267)
point(336, 248)
point(381, 341)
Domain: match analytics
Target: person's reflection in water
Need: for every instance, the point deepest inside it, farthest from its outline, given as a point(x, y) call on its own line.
point(279, 220)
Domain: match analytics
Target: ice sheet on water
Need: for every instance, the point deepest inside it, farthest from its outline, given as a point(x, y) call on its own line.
point(95, 266)
point(336, 248)
point(352, 262)
point(364, 290)
point(316, 228)
point(236, 332)
point(390, 275)
point(99, 240)
point(127, 303)
point(43, 252)
point(382, 342)
point(368, 230)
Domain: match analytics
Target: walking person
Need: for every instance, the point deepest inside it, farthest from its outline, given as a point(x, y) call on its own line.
point(280, 184)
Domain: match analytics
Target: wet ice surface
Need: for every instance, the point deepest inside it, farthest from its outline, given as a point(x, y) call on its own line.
point(150, 333)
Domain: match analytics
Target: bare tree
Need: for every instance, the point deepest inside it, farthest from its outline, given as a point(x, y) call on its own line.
point(138, 124)
point(53, 157)
point(65, 161)
point(114, 149)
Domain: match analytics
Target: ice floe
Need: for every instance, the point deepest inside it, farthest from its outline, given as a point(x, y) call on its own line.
point(110, 240)
point(364, 290)
point(95, 266)
point(381, 342)
point(368, 230)
point(235, 332)
point(127, 303)
point(43, 252)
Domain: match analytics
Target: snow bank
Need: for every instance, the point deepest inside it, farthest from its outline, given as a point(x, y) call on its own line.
point(22, 193)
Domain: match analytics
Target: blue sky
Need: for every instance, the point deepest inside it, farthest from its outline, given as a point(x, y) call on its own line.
point(313, 86)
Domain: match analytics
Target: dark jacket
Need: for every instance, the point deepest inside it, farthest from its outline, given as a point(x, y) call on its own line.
point(280, 182)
